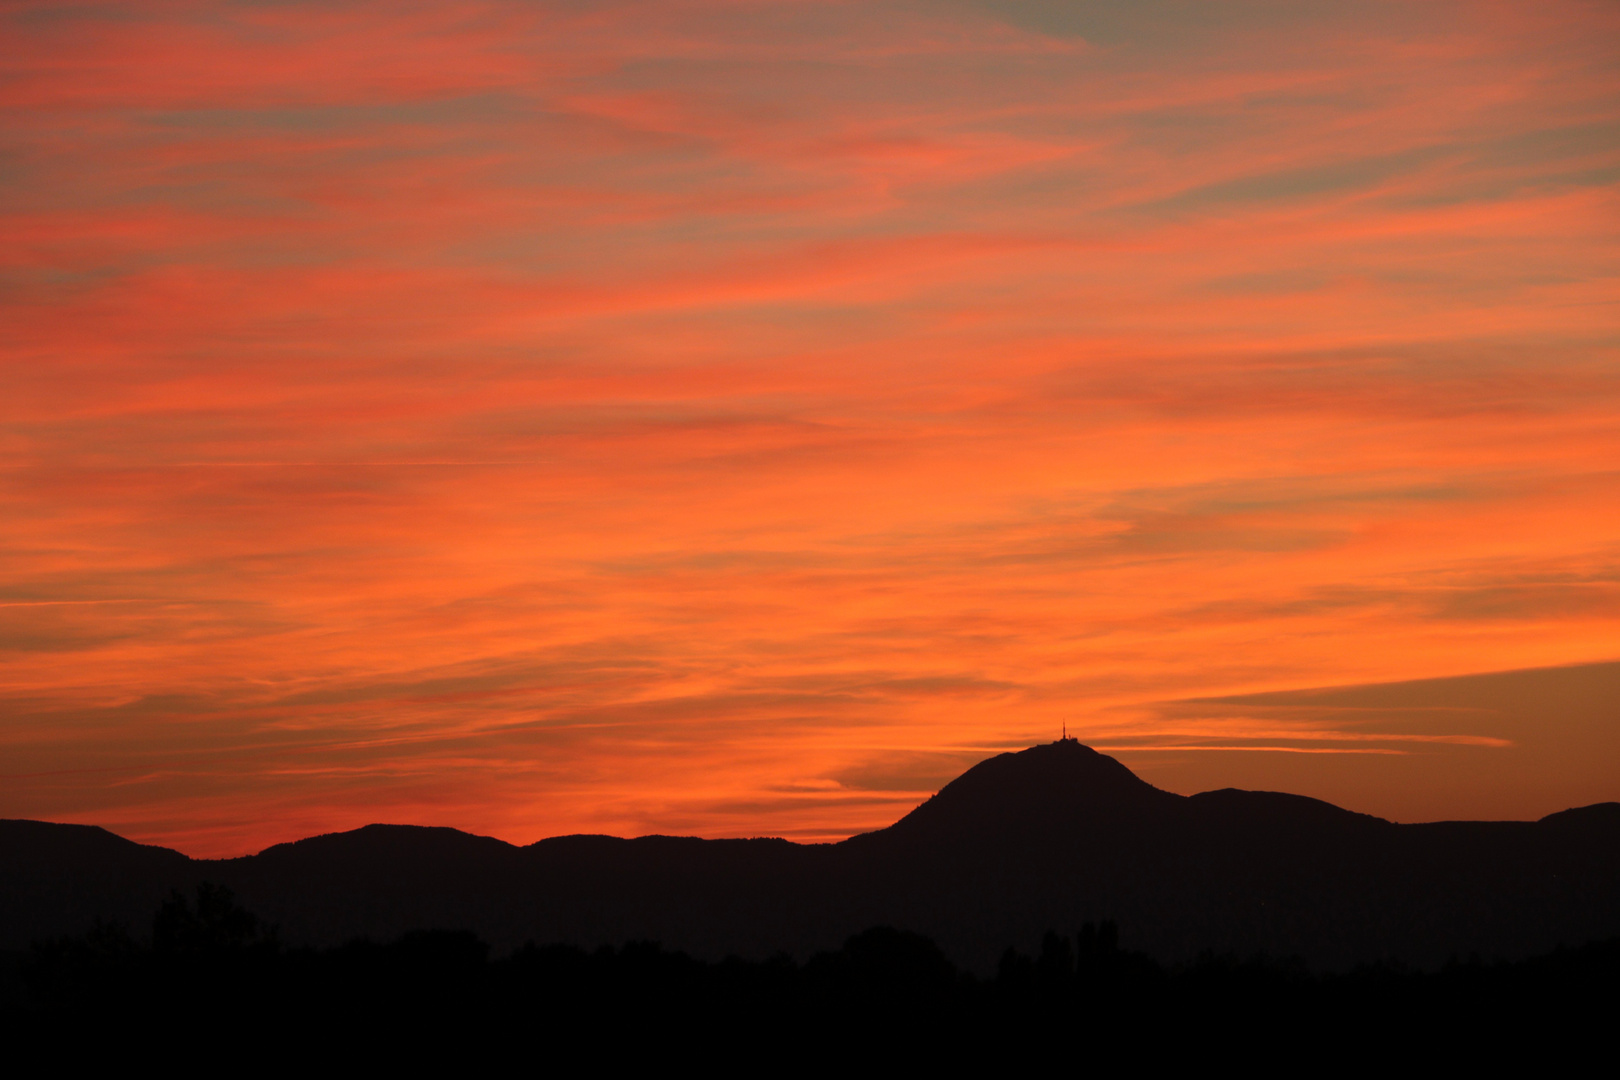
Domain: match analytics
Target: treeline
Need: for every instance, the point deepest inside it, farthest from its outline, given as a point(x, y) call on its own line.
point(212, 975)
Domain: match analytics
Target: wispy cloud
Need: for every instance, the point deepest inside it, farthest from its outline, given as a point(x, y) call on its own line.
point(543, 417)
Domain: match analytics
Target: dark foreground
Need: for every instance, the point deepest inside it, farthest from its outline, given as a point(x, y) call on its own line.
point(212, 981)
point(1053, 836)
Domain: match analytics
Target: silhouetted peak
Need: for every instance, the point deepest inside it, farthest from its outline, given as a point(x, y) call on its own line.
point(23, 842)
point(1052, 787)
point(1603, 815)
point(388, 841)
point(1066, 766)
point(1237, 808)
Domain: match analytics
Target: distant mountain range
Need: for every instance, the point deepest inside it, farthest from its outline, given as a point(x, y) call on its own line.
point(1048, 838)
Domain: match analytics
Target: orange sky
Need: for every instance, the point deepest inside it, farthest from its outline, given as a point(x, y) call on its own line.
point(736, 418)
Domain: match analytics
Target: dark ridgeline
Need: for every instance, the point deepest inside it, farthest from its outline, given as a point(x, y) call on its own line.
point(1055, 836)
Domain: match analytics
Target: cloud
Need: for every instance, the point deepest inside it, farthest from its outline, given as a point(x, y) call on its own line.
point(1496, 744)
point(549, 417)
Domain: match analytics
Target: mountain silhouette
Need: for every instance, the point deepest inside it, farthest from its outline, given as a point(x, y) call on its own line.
point(1053, 836)
point(1060, 788)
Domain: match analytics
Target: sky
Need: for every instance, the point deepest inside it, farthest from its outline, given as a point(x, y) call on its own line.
point(736, 418)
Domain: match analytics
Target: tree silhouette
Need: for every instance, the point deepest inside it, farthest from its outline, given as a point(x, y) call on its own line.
point(216, 925)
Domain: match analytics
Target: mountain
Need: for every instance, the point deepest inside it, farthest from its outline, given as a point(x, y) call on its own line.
point(1050, 837)
point(1060, 789)
point(57, 879)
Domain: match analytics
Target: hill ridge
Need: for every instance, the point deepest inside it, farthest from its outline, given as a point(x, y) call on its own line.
point(1051, 836)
